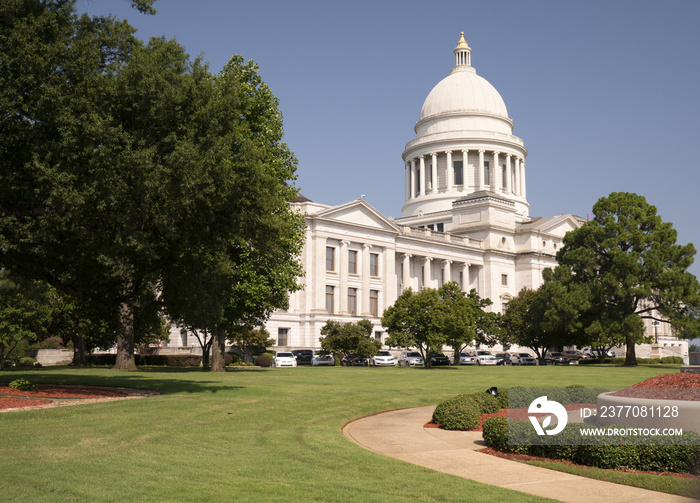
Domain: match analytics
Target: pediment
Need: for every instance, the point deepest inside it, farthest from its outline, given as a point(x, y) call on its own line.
point(358, 213)
point(554, 226)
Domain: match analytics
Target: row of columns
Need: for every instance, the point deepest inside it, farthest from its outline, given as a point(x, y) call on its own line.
point(427, 281)
point(514, 182)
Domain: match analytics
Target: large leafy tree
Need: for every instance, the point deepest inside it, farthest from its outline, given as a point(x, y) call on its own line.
point(123, 160)
point(628, 261)
point(466, 321)
point(349, 341)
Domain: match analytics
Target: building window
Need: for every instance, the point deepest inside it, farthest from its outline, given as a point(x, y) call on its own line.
point(352, 301)
point(429, 176)
point(330, 258)
point(374, 264)
point(378, 335)
point(329, 299)
point(505, 175)
point(282, 336)
point(374, 302)
point(183, 337)
point(461, 280)
point(459, 172)
point(441, 227)
point(487, 173)
point(504, 280)
point(418, 182)
point(352, 262)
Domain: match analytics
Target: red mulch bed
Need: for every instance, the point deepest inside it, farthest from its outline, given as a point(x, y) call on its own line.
point(44, 391)
point(681, 386)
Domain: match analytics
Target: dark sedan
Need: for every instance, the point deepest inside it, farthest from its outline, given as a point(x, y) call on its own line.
point(439, 359)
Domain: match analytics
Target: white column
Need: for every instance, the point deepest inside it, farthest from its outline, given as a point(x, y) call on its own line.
point(465, 169)
point(516, 189)
point(522, 182)
point(406, 272)
point(434, 174)
point(364, 294)
point(509, 189)
point(413, 178)
point(343, 277)
point(480, 171)
point(495, 172)
point(408, 181)
point(426, 272)
point(465, 278)
point(448, 271)
point(450, 171)
point(422, 175)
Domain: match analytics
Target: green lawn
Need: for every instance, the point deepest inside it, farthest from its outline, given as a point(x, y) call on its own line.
point(250, 434)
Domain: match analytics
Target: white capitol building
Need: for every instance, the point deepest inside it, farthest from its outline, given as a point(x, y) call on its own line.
point(465, 219)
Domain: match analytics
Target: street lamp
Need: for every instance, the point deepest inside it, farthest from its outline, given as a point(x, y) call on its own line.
point(655, 324)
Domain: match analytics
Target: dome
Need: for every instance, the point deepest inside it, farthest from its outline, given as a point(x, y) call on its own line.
point(463, 91)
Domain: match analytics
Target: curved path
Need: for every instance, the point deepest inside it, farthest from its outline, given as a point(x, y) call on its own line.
point(400, 434)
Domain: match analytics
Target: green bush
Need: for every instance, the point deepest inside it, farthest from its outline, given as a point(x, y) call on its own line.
point(495, 434)
point(27, 360)
point(263, 361)
point(461, 414)
point(22, 385)
point(487, 403)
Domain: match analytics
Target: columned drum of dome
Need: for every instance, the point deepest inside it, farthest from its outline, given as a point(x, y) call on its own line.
point(464, 144)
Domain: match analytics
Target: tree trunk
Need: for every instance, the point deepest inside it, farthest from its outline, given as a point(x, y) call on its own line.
point(218, 350)
point(125, 339)
point(79, 351)
point(630, 355)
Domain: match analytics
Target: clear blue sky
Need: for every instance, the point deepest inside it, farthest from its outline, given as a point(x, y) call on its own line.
point(604, 93)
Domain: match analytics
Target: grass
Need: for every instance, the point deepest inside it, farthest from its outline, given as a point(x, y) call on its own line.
point(250, 434)
point(672, 485)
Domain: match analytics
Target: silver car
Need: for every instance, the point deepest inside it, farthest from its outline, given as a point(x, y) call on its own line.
point(467, 359)
point(411, 359)
point(319, 360)
point(523, 359)
point(284, 359)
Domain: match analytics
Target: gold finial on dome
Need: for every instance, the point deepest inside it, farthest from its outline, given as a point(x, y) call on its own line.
point(462, 42)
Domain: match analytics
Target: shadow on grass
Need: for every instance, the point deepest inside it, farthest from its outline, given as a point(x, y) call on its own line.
point(143, 378)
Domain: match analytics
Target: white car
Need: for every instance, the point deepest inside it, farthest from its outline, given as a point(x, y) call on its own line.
point(467, 359)
point(383, 359)
point(523, 359)
point(411, 359)
point(283, 359)
point(485, 358)
point(320, 360)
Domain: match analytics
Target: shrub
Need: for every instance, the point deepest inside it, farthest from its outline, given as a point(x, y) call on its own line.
point(263, 361)
point(22, 384)
point(462, 414)
point(495, 434)
point(27, 360)
point(234, 357)
point(487, 403)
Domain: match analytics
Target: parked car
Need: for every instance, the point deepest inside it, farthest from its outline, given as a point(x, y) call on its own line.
point(556, 358)
point(411, 359)
point(439, 359)
point(467, 359)
point(322, 360)
point(485, 358)
point(503, 359)
point(304, 356)
point(284, 359)
point(383, 359)
point(592, 353)
point(573, 356)
point(523, 359)
point(352, 360)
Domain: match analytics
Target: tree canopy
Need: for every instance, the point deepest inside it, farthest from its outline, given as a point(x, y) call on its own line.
point(630, 267)
point(349, 341)
point(431, 318)
point(133, 176)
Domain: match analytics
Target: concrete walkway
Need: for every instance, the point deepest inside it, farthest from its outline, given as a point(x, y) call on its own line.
point(400, 434)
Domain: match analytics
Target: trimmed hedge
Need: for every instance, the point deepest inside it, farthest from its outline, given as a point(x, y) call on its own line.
point(458, 413)
point(149, 360)
point(628, 452)
point(644, 361)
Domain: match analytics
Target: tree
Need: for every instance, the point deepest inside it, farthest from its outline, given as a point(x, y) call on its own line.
point(250, 341)
point(349, 341)
point(466, 321)
point(629, 262)
point(24, 313)
point(123, 161)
